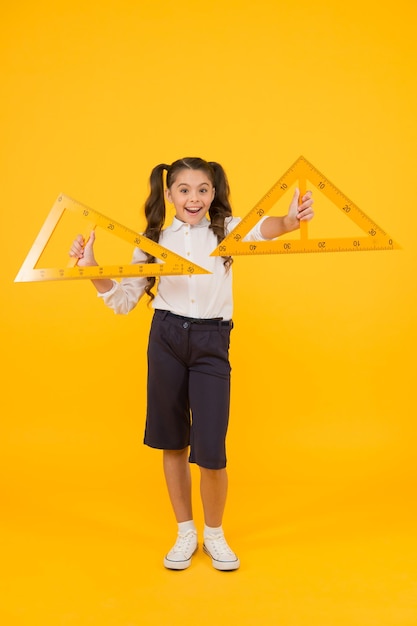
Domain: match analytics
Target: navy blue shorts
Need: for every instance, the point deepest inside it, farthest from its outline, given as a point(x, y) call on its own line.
point(189, 387)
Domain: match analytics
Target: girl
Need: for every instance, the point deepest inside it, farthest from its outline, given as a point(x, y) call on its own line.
point(188, 387)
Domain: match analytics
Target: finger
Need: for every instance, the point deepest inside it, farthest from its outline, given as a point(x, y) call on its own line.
point(306, 215)
point(307, 199)
point(74, 252)
point(77, 248)
point(306, 204)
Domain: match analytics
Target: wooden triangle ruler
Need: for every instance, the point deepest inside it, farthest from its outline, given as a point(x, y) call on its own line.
point(171, 263)
point(374, 237)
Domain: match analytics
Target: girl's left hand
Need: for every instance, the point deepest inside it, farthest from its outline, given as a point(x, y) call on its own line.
point(300, 211)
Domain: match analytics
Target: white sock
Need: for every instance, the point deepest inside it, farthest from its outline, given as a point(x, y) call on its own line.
point(184, 527)
point(210, 531)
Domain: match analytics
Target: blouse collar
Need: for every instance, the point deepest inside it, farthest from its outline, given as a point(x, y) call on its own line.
point(178, 224)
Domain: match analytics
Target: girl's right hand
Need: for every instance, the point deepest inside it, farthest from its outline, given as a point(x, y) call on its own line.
point(84, 251)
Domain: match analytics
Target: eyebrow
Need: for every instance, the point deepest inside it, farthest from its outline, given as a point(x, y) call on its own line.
point(187, 185)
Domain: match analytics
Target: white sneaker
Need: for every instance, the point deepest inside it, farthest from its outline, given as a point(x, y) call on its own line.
point(222, 557)
point(179, 557)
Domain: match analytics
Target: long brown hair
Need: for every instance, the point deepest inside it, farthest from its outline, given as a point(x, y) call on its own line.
point(155, 211)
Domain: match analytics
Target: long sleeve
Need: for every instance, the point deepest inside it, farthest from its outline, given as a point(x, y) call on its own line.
point(124, 295)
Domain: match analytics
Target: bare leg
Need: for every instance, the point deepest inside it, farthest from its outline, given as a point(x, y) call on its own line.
point(178, 480)
point(213, 494)
point(213, 489)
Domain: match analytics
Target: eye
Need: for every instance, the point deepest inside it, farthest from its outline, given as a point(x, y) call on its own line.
point(183, 190)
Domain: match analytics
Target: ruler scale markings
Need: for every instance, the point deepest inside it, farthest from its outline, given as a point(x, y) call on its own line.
point(172, 263)
point(377, 238)
point(233, 244)
point(340, 200)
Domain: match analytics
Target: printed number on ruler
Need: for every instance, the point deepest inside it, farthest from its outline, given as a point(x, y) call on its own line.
point(171, 263)
point(375, 238)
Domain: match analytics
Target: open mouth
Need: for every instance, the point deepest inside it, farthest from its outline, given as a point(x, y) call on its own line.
point(193, 210)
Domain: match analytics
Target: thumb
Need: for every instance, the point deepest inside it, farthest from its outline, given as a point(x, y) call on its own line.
point(296, 196)
point(90, 241)
point(89, 258)
point(294, 202)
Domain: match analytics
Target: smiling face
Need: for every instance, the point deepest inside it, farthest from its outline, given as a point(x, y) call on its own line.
point(192, 193)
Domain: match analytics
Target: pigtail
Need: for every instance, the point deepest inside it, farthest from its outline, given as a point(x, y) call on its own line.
point(155, 215)
point(155, 204)
point(220, 208)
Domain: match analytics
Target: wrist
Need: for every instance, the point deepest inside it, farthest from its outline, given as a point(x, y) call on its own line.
point(87, 263)
point(290, 224)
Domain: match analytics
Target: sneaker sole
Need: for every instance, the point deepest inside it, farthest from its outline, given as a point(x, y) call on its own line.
point(223, 566)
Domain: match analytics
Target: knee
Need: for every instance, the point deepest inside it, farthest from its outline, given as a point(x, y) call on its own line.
point(213, 474)
point(175, 453)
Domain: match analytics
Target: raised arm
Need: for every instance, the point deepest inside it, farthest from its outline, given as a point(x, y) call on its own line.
point(273, 227)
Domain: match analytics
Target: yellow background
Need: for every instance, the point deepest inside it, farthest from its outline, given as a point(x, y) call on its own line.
point(322, 440)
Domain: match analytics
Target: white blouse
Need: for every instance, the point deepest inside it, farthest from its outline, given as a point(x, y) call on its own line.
point(199, 295)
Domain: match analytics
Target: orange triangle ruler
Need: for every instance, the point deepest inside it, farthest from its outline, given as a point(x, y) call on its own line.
point(171, 263)
point(374, 237)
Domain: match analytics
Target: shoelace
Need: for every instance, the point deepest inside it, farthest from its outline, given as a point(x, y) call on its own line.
point(185, 543)
point(219, 546)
